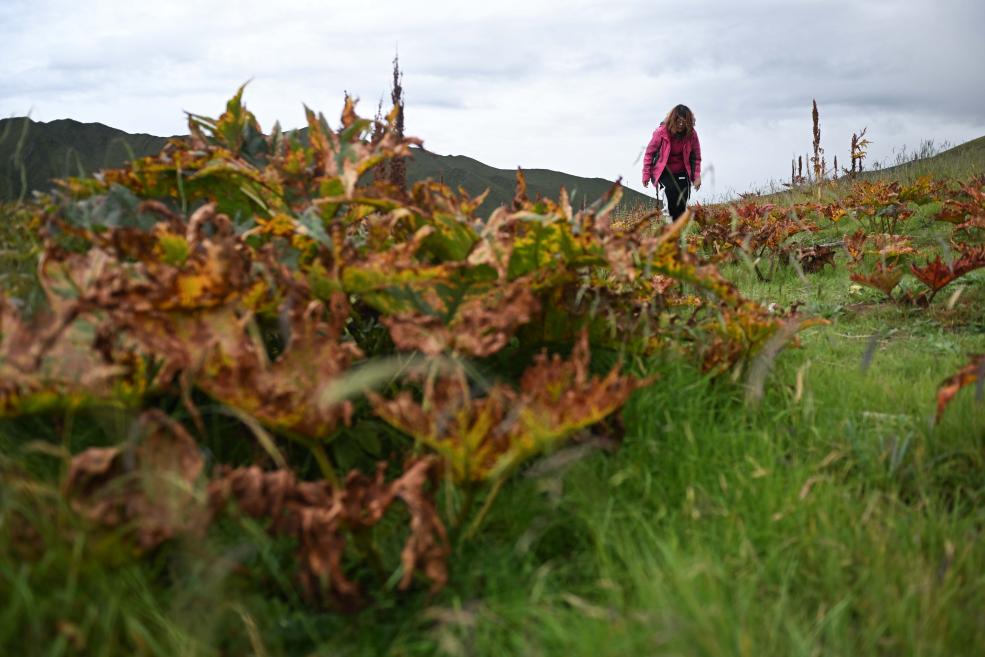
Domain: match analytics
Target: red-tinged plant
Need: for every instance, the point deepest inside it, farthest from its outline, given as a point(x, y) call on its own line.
point(892, 249)
point(971, 373)
point(965, 204)
point(813, 259)
point(855, 244)
point(185, 291)
point(881, 276)
point(833, 212)
point(758, 230)
point(937, 274)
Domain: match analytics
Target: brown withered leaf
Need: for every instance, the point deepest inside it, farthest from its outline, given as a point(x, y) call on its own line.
point(855, 244)
point(495, 244)
point(972, 258)
point(970, 373)
point(975, 224)
point(485, 438)
point(283, 394)
point(427, 547)
point(212, 270)
point(148, 489)
point(737, 333)
point(890, 248)
point(308, 511)
point(190, 316)
point(129, 299)
point(322, 519)
point(561, 393)
point(52, 362)
point(812, 259)
point(968, 203)
point(480, 326)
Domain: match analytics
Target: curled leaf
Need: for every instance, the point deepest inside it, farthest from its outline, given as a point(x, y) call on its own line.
point(973, 371)
point(146, 489)
point(323, 519)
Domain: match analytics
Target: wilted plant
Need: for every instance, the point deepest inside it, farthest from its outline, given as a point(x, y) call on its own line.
point(972, 372)
point(937, 274)
point(859, 146)
point(262, 270)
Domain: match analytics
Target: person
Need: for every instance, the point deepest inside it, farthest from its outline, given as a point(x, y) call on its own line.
point(673, 159)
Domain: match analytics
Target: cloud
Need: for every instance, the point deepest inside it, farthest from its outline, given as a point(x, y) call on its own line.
point(575, 86)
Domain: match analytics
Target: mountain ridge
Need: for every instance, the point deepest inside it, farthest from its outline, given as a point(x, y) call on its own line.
point(34, 153)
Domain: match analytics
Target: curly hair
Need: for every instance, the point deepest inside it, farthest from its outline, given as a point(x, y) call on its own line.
point(680, 120)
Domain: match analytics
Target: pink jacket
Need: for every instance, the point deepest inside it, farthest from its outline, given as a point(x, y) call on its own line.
point(658, 152)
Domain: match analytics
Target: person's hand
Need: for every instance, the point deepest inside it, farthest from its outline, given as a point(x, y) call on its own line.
point(646, 183)
point(697, 183)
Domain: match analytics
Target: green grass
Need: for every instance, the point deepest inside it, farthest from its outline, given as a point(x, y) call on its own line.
point(832, 518)
point(833, 521)
point(19, 249)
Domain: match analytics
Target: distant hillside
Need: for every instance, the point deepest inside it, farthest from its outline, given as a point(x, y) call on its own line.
point(960, 161)
point(34, 153)
point(474, 176)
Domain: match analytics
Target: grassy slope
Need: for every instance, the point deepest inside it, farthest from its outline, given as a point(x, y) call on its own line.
point(833, 518)
point(961, 160)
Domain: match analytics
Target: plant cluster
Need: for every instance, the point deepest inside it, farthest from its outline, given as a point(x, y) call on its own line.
point(880, 252)
point(758, 231)
point(280, 277)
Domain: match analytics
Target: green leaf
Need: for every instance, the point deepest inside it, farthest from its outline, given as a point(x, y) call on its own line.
point(452, 239)
point(314, 228)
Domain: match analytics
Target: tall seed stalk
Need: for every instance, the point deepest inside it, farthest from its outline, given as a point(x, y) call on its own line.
point(817, 160)
point(854, 151)
point(859, 144)
point(380, 171)
point(398, 168)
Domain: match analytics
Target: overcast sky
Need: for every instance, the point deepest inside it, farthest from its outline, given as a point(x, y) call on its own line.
point(576, 86)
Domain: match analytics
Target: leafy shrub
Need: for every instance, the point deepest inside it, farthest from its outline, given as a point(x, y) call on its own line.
point(278, 276)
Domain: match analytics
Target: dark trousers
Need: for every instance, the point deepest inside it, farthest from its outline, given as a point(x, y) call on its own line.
point(677, 187)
